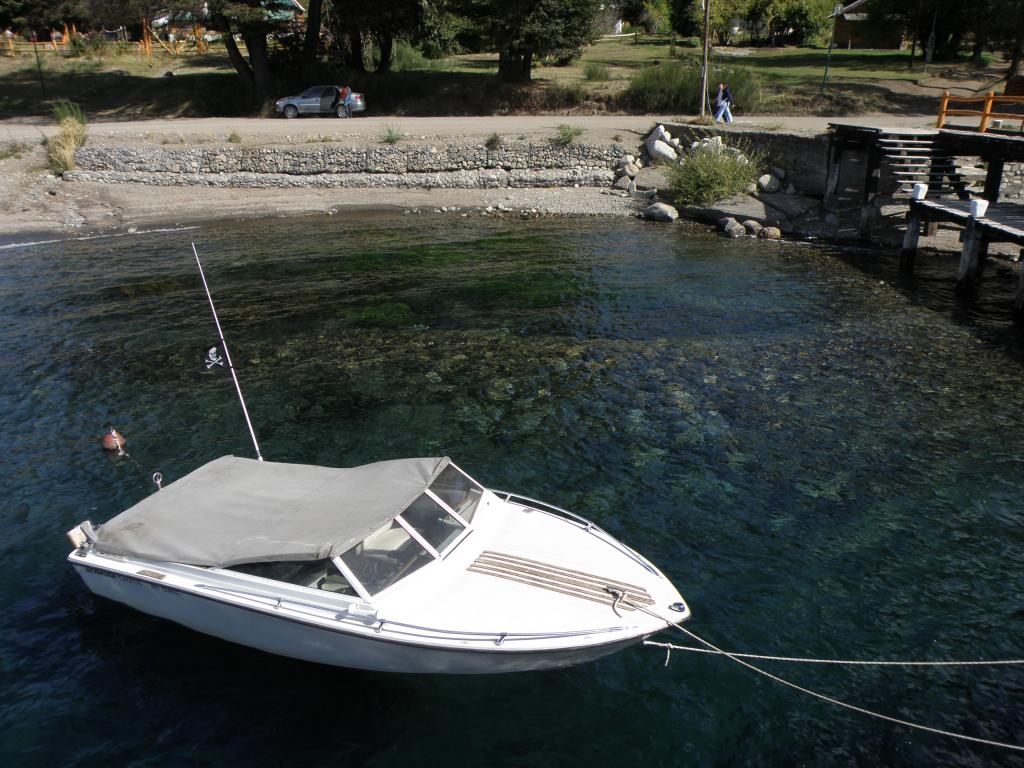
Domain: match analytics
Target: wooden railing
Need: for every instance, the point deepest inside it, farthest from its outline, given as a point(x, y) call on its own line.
point(986, 114)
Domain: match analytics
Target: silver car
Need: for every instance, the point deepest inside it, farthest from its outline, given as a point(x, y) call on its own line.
point(319, 100)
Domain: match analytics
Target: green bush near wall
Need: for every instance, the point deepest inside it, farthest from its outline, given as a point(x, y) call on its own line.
point(675, 88)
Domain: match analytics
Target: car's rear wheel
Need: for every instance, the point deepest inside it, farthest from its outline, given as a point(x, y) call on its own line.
point(291, 111)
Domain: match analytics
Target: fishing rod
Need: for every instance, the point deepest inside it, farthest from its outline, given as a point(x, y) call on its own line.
point(227, 356)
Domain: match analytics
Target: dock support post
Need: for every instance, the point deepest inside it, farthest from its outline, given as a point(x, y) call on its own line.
point(1018, 300)
point(908, 256)
point(835, 164)
point(868, 209)
point(993, 179)
point(970, 257)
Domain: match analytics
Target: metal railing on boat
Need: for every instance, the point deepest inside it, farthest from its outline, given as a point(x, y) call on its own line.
point(319, 611)
point(582, 522)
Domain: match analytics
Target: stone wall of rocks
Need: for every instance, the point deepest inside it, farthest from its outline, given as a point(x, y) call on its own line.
point(803, 158)
point(513, 164)
point(1013, 182)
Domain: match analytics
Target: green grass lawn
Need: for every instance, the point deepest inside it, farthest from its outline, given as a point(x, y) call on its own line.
point(129, 85)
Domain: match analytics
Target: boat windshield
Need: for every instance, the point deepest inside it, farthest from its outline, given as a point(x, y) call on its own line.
point(385, 556)
point(433, 522)
point(458, 491)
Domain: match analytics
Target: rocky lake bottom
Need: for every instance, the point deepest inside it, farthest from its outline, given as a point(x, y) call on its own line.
point(825, 459)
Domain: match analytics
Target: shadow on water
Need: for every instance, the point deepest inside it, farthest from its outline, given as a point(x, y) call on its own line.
point(986, 309)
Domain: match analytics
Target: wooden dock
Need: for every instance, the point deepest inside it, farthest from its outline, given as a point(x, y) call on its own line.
point(1002, 223)
point(929, 156)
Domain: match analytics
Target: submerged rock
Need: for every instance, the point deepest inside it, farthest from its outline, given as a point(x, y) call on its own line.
point(769, 183)
point(731, 227)
point(770, 233)
point(753, 227)
point(660, 212)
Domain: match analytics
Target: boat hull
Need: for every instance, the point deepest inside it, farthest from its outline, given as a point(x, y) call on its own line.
point(284, 636)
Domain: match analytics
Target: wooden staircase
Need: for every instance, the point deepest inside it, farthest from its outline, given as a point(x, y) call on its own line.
point(914, 156)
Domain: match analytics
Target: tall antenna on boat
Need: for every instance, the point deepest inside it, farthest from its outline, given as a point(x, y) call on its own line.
point(227, 355)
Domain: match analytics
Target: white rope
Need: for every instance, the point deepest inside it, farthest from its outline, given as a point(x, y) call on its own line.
point(829, 699)
point(844, 662)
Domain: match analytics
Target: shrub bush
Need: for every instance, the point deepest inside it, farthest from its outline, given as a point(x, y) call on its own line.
point(390, 135)
point(566, 135)
point(60, 148)
point(64, 109)
point(71, 134)
point(560, 96)
point(595, 72)
point(675, 87)
point(408, 58)
point(710, 173)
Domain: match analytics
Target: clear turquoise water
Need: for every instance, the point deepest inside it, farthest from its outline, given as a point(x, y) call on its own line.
point(824, 464)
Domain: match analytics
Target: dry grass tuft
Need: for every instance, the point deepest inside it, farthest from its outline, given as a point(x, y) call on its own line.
point(60, 148)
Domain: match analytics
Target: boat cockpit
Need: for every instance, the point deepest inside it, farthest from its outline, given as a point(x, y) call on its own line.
point(427, 530)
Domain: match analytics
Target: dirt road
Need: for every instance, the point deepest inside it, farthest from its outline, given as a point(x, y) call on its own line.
point(628, 128)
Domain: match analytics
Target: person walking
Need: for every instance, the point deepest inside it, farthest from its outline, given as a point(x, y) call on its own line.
point(723, 104)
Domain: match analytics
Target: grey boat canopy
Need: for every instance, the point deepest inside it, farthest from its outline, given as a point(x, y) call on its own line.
point(234, 511)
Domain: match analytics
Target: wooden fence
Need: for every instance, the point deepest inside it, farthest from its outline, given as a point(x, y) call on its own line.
point(986, 113)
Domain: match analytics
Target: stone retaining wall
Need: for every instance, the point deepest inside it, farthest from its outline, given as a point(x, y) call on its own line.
point(519, 164)
point(804, 158)
point(1013, 182)
point(494, 178)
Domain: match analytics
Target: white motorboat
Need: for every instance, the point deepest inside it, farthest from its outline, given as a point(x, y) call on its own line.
point(401, 566)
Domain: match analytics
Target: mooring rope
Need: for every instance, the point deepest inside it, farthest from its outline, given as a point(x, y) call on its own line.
point(828, 699)
point(842, 662)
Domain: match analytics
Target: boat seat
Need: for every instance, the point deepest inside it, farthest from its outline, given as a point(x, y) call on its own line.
point(335, 582)
point(384, 541)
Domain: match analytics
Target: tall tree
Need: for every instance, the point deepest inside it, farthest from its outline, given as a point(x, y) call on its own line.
point(40, 16)
point(524, 30)
point(311, 45)
point(253, 21)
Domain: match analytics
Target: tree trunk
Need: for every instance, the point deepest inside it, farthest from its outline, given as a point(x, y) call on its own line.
point(257, 44)
point(977, 50)
point(356, 60)
point(1016, 56)
point(311, 45)
point(387, 43)
point(238, 60)
point(514, 67)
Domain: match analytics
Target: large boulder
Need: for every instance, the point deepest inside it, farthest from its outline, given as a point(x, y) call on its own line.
point(793, 206)
point(659, 150)
point(753, 227)
point(741, 208)
point(770, 233)
point(651, 178)
point(769, 183)
point(622, 183)
point(731, 227)
point(660, 212)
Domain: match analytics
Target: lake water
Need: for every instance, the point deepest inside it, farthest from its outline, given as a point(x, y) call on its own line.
point(824, 460)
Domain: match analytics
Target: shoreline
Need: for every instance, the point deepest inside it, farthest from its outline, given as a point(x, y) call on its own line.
point(53, 209)
point(35, 205)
